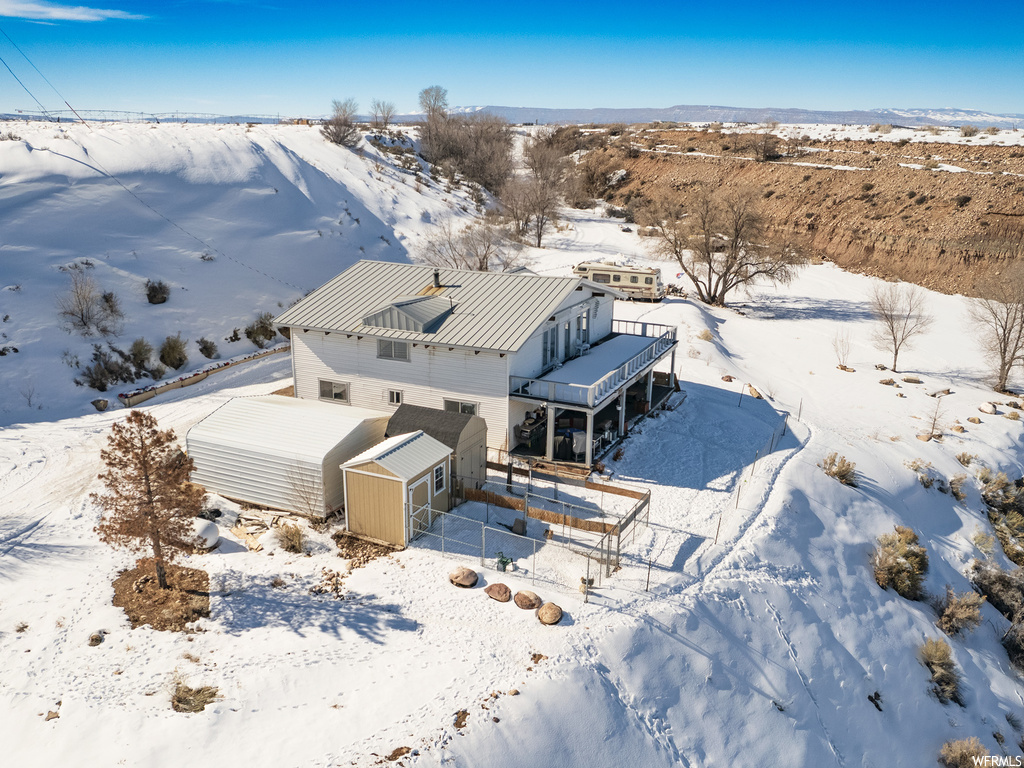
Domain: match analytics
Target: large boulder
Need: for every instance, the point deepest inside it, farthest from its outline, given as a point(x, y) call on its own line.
point(463, 577)
point(989, 408)
point(549, 613)
point(499, 592)
point(528, 600)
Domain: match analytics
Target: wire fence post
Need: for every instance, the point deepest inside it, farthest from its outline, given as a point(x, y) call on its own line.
point(442, 533)
point(483, 544)
point(533, 567)
point(800, 409)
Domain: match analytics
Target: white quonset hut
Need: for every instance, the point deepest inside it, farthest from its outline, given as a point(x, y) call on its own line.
point(281, 452)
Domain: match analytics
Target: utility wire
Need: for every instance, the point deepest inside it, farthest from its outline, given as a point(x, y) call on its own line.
point(120, 183)
point(25, 87)
point(25, 55)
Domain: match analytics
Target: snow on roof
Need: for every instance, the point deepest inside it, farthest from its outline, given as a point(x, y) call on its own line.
point(596, 364)
point(404, 455)
point(493, 310)
point(282, 425)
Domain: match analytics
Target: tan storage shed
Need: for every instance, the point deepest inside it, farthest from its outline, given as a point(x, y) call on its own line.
point(465, 435)
point(394, 490)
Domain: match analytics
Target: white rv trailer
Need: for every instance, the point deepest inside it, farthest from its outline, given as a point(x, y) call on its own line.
point(642, 283)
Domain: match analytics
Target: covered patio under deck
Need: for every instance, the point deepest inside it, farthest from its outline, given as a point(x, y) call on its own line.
point(586, 403)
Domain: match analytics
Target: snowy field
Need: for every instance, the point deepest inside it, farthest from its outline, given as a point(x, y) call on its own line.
point(760, 649)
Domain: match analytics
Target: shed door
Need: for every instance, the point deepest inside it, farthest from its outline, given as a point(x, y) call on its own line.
point(419, 507)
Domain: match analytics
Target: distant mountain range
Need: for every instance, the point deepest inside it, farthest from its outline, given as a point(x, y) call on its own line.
point(687, 113)
point(682, 113)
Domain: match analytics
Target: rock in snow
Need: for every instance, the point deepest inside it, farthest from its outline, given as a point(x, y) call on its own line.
point(463, 577)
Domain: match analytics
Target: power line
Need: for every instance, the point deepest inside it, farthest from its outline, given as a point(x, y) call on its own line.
point(121, 184)
point(24, 86)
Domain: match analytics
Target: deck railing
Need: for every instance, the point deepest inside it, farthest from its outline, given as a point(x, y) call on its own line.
point(550, 389)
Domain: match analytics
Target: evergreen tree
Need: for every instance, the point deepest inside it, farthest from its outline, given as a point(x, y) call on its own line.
point(149, 501)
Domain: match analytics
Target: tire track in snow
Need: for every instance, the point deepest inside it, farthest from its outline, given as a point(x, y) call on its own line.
point(791, 650)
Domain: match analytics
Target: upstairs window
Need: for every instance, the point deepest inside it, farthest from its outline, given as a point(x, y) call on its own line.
point(334, 390)
point(388, 349)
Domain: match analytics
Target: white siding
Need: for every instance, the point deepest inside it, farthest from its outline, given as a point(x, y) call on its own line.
point(427, 379)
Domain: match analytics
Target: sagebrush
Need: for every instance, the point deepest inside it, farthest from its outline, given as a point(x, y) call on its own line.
point(840, 468)
point(291, 538)
point(958, 612)
point(962, 753)
point(900, 563)
point(937, 656)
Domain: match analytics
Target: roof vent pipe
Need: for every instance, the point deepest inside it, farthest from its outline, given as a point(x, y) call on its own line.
point(437, 278)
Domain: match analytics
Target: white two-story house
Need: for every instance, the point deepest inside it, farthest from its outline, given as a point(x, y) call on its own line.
point(541, 359)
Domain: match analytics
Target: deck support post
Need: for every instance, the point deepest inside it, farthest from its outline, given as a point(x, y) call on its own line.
point(589, 456)
point(549, 448)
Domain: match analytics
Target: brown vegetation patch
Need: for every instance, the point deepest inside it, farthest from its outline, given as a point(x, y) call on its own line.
point(359, 551)
point(187, 600)
point(187, 699)
point(397, 753)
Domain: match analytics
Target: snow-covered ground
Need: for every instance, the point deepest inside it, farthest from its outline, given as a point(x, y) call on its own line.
point(760, 649)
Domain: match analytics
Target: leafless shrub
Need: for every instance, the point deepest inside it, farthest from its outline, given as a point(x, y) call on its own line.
point(157, 291)
point(478, 246)
point(992, 130)
point(956, 486)
point(937, 656)
point(965, 458)
point(958, 612)
point(842, 470)
point(340, 128)
point(998, 315)
point(706, 335)
point(841, 346)
point(87, 309)
point(900, 562)
point(382, 112)
point(968, 130)
point(1004, 590)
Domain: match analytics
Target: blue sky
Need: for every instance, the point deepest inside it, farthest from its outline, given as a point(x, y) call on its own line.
point(231, 56)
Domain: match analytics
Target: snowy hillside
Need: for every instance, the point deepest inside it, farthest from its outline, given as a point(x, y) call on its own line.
point(760, 649)
point(235, 220)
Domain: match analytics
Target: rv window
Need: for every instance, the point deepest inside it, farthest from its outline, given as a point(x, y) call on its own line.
point(600, 277)
point(649, 280)
point(616, 278)
point(634, 279)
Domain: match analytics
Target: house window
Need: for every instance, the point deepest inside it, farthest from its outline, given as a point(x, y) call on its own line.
point(394, 397)
point(389, 349)
point(439, 478)
point(634, 279)
point(601, 277)
point(334, 390)
point(460, 406)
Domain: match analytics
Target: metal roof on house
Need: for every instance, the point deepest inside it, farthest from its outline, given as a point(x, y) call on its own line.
point(282, 425)
point(405, 456)
point(446, 426)
point(492, 310)
point(422, 314)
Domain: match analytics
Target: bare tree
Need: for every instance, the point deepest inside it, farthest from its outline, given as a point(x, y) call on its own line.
point(841, 346)
point(340, 127)
point(717, 240)
point(542, 205)
point(149, 502)
point(899, 310)
point(544, 159)
point(382, 112)
point(434, 101)
point(999, 318)
point(515, 205)
point(765, 143)
point(85, 308)
point(480, 246)
point(307, 492)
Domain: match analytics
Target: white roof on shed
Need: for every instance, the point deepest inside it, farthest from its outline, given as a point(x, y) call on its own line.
point(283, 425)
point(404, 455)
